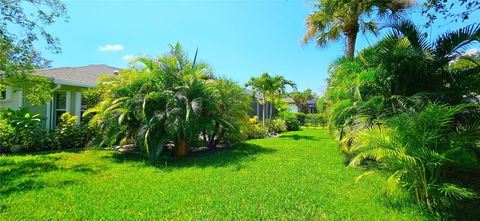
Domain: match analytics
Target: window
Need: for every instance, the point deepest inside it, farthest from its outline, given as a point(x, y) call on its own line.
point(83, 108)
point(3, 94)
point(60, 106)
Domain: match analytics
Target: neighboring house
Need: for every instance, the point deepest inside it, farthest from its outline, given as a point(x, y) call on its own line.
point(67, 97)
point(257, 107)
point(292, 107)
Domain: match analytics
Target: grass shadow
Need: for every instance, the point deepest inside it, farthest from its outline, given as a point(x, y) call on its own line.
point(20, 176)
point(235, 155)
point(301, 137)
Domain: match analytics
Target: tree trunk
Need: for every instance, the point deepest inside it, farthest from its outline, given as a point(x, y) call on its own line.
point(182, 147)
point(264, 109)
point(351, 33)
point(211, 140)
point(219, 137)
point(352, 38)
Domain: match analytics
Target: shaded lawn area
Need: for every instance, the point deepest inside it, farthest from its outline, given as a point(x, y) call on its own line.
point(300, 175)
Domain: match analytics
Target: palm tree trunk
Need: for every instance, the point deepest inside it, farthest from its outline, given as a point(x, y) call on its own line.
point(182, 147)
point(352, 38)
point(351, 33)
point(264, 109)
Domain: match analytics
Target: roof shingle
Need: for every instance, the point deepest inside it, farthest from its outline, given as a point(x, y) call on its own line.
point(86, 75)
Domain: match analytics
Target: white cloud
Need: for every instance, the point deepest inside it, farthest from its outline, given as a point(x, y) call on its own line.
point(111, 48)
point(128, 57)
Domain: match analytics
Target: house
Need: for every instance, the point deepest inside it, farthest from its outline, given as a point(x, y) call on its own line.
point(257, 106)
point(292, 107)
point(70, 83)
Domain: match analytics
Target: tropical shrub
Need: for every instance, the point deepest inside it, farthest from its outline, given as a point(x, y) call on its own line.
point(314, 120)
point(421, 150)
point(301, 117)
point(27, 134)
point(291, 120)
point(253, 130)
point(378, 106)
point(68, 134)
point(277, 125)
point(7, 133)
point(170, 99)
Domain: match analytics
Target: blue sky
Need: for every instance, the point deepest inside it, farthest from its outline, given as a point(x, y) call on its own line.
point(239, 39)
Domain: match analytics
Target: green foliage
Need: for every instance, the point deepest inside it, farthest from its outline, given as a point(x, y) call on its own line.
point(277, 125)
point(336, 19)
point(272, 89)
point(301, 117)
point(301, 100)
point(22, 129)
point(421, 150)
point(451, 11)
point(70, 135)
point(36, 89)
point(169, 99)
point(314, 120)
point(253, 130)
point(291, 120)
point(378, 106)
point(7, 134)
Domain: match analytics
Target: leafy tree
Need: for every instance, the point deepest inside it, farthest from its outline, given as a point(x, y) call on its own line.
point(335, 19)
point(447, 9)
point(22, 24)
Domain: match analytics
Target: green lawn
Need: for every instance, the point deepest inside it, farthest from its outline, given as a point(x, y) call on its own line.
point(300, 175)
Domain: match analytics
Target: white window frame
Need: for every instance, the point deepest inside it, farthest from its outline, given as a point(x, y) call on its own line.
point(67, 105)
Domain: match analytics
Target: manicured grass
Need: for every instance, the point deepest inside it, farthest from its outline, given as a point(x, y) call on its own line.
point(300, 175)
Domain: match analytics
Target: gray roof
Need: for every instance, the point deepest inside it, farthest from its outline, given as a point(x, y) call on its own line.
point(86, 76)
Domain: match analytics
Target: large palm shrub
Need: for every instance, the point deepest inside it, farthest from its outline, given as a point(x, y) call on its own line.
point(168, 99)
point(421, 150)
point(378, 106)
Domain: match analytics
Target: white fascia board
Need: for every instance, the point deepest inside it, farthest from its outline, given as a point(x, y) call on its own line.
point(67, 83)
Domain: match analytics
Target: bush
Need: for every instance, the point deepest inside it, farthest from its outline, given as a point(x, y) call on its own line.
point(7, 133)
point(21, 130)
point(252, 130)
point(278, 126)
point(314, 120)
point(69, 135)
point(291, 120)
point(301, 117)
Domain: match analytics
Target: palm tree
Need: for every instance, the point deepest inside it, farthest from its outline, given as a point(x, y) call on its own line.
point(334, 18)
point(421, 150)
point(270, 89)
point(231, 105)
point(261, 85)
point(278, 90)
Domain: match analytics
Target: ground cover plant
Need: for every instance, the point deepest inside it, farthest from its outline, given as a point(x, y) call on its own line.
point(299, 175)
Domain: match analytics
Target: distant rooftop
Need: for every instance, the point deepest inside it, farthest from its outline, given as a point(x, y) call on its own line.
point(86, 76)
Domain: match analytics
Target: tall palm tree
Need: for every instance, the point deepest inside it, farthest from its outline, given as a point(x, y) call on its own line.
point(335, 19)
point(261, 85)
point(278, 90)
point(270, 88)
